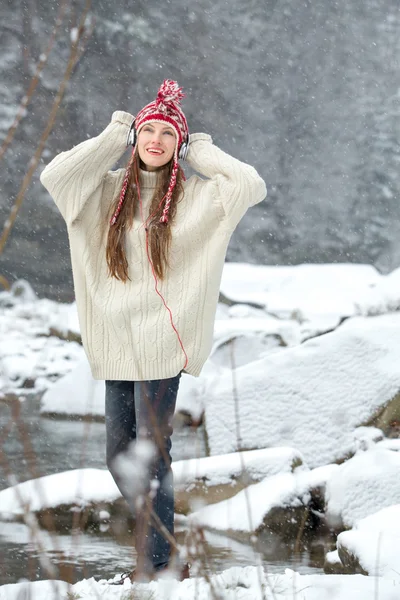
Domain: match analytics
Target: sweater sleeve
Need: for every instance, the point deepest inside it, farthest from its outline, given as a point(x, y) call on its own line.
point(72, 176)
point(237, 185)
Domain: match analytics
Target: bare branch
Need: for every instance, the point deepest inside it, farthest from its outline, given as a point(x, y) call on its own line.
point(34, 81)
point(74, 56)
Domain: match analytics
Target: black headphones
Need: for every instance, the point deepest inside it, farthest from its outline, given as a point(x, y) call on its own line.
point(132, 139)
point(183, 150)
point(132, 136)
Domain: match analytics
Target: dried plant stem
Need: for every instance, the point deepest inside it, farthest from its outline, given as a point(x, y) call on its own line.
point(29, 518)
point(75, 55)
point(378, 552)
point(35, 79)
point(301, 529)
point(254, 538)
point(4, 282)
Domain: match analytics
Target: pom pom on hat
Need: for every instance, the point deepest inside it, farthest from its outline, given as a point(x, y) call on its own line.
point(169, 92)
point(164, 109)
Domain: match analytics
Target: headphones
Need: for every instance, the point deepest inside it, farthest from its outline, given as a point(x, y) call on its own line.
point(132, 139)
point(132, 135)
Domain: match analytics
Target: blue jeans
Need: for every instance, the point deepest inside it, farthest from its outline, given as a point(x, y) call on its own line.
point(144, 410)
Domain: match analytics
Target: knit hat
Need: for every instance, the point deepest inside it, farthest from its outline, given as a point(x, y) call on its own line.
point(165, 109)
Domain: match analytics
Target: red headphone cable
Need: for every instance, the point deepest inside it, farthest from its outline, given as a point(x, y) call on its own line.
point(144, 224)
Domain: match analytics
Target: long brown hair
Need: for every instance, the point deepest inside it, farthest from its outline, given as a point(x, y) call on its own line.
point(159, 233)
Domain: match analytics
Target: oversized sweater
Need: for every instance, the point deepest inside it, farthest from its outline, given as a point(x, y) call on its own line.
point(126, 329)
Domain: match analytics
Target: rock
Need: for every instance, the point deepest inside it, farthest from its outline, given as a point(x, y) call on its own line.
point(388, 419)
point(334, 566)
point(311, 397)
point(372, 546)
point(81, 496)
point(363, 485)
point(280, 503)
point(208, 480)
point(68, 336)
point(350, 562)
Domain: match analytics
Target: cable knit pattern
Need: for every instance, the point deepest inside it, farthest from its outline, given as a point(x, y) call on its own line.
point(126, 330)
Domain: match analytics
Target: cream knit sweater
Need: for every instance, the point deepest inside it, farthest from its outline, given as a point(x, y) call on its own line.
point(126, 330)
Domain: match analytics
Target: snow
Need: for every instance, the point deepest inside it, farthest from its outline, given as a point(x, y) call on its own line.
point(36, 590)
point(74, 35)
point(336, 288)
point(363, 485)
point(299, 400)
point(382, 297)
point(390, 444)
point(76, 487)
point(88, 486)
point(311, 397)
point(375, 541)
point(233, 584)
point(225, 469)
point(245, 512)
point(332, 558)
point(78, 394)
point(366, 437)
point(226, 329)
point(29, 351)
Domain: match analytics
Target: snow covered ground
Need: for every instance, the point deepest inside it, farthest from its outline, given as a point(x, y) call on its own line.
point(249, 583)
point(316, 350)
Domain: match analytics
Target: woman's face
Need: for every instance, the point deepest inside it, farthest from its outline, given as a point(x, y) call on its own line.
point(156, 145)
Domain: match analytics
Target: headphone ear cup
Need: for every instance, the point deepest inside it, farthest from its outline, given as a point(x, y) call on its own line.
point(132, 136)
point(183, 150)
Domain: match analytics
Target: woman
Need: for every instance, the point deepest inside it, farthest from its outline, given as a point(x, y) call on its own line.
point(147, 251)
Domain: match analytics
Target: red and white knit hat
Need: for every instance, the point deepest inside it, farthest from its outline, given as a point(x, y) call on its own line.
point(165, 109)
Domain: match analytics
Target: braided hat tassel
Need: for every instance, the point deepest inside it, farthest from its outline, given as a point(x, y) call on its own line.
point(123, 189)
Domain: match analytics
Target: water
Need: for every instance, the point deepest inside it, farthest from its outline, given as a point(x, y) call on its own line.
point(33, 446)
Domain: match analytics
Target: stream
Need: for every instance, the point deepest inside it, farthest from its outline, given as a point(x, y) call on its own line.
point(36, 446)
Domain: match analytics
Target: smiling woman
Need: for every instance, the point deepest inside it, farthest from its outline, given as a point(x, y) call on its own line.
point(130, 231)
point(156, 145)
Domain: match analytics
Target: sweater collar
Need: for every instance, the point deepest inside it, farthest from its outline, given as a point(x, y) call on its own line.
point(147, 179)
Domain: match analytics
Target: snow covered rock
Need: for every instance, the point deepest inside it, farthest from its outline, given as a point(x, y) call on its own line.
point(279, 503)
point(334, 566)
point(337, 289)
point(208, 480)
point(311, 397)
point(363, 485)
point(382, 296)
point(60, 495)
point(372, 546)
point(197, 482)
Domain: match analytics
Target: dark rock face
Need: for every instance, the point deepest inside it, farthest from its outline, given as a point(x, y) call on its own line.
point(306, 92)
